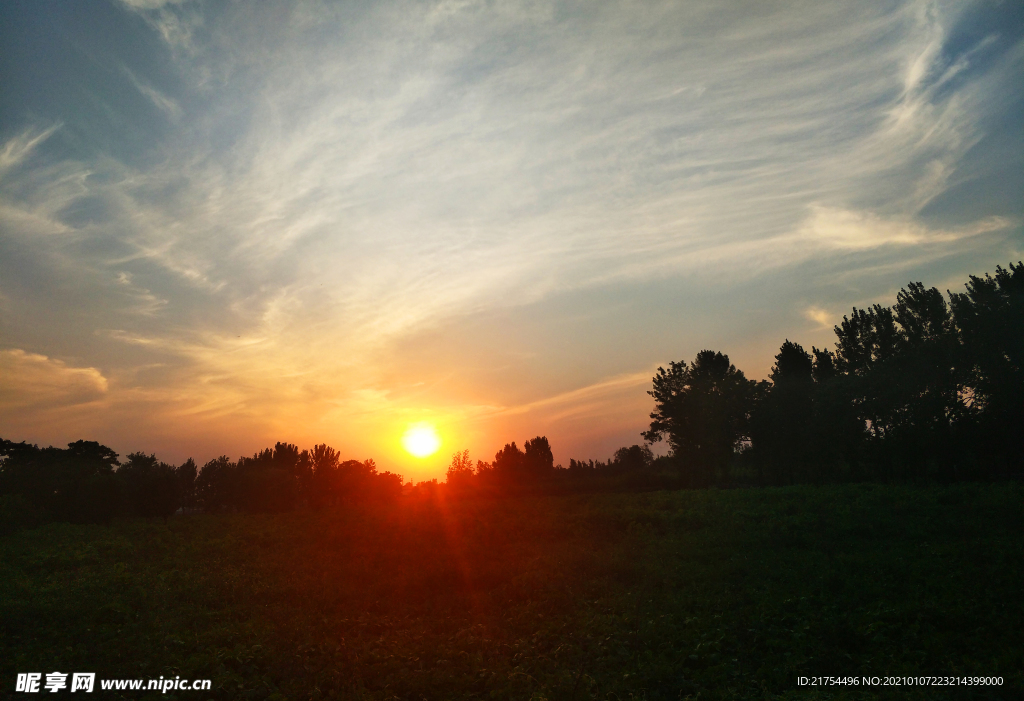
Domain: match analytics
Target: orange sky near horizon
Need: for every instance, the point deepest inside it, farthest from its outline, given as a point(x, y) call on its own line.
point(589, 422)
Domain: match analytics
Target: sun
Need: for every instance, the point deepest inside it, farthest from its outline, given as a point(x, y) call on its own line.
point(421, 440)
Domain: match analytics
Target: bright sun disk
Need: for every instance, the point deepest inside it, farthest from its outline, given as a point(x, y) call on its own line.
point(421, 440)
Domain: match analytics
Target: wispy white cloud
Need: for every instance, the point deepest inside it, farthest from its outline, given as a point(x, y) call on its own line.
point(165, 104)
point(150, 4)
point(847, 230)
point(582, 402)
point(174, 20)
point(18, 148)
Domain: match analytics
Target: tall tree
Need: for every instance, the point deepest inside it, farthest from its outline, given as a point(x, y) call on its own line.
point(509, 460)
point(152, 487)
point(838, 428)
point(460, 472)
point(703, 410)
point(325, 487)
point(77, 484)
point(989, 319)
point(782, 424)
point(903, 380)
point(274, 479)
point(217, 486)
point(187, 472)
point(538, 460)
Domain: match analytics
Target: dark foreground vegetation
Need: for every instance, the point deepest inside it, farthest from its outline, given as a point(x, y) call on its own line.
point(709, 594)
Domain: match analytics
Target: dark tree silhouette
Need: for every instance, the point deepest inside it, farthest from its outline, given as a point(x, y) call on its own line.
point(459, 476)
point(325, 486)
point(703, 410)
point(77, 484)
point(92, 458)
point(990, 322)
point(152, 488)
point(538, 459)
point(509, 460)
point(275, 479)
point(217, 485)
point(931, 404)
point(387, 486)
point(782, 424)
point(824, 365)
point(839, 430)
point(187, 473)
point(633, 458)
point(902, 377)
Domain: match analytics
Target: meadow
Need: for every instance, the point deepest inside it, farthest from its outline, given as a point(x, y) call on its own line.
point(707, 594)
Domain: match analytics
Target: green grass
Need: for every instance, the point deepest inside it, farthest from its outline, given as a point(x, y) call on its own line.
point(703, 594)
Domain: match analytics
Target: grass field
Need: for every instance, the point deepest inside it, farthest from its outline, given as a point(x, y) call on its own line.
point(700, 594)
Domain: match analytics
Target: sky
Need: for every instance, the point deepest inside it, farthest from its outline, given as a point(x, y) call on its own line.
point(228, 224)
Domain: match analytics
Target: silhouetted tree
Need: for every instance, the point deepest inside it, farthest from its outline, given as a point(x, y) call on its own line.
point(839, 430)
point(77, 484)
point(387, 486)
point(932, 380)
point(151, 487)
point(509, 460)
point(325, 487)
point(903, 378)
point(273, 480)
point(460, 472)
point(298, 464)
point(867, 338)
point(824, 365)
point(989, 319)
point(217, 485)
point(703, 411)
point(187, 473)
point(580, 468)
point(485, 477)
point(358, 480)
point(32, 472)
point(782, 424)
point(633, 458)
point(538, 460)
point(515, 470)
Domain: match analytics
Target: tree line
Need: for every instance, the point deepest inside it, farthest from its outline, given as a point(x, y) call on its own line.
point(930, 388)
point(85, 483)
point(531, 470)
point(925, 389)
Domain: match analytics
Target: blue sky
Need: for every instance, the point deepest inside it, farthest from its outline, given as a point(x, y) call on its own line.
point(225, 224)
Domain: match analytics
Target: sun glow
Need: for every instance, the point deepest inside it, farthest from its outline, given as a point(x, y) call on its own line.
point(421, 440)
